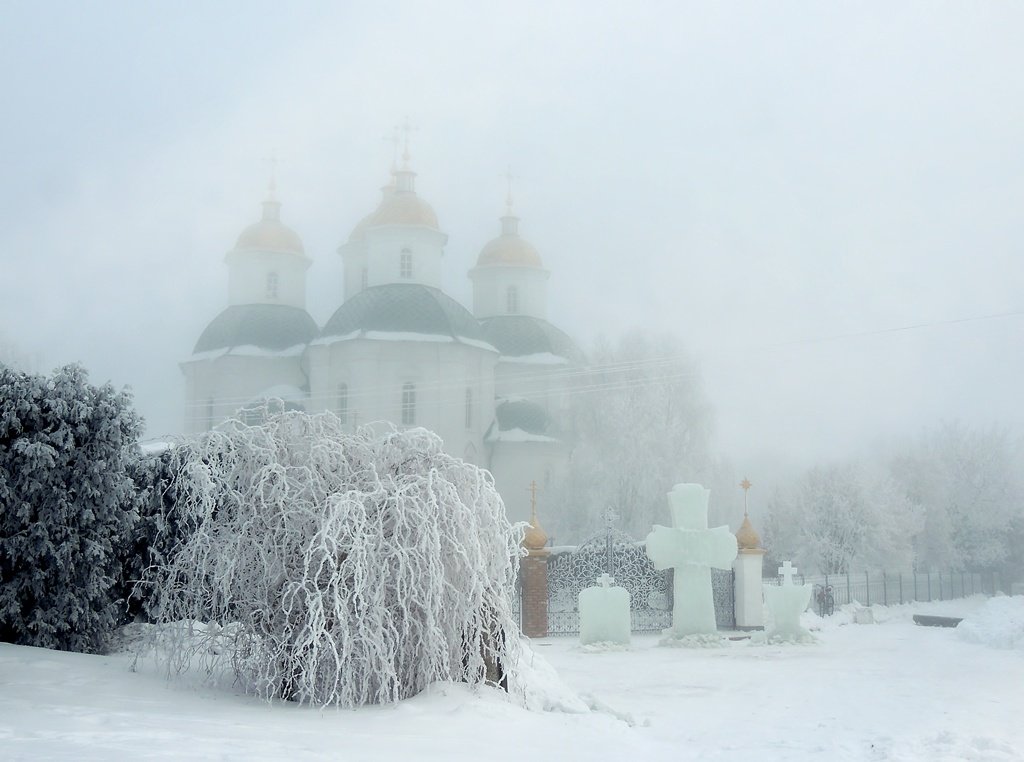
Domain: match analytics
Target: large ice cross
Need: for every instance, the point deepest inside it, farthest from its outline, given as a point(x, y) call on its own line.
point(787, 570)
point(691, 550)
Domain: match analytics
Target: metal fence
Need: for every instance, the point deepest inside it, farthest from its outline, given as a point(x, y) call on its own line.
point(889, 588)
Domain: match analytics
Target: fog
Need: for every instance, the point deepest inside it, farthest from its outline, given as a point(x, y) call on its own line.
point(824, 201)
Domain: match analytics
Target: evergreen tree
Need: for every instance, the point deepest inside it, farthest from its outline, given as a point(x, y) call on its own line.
point(66, 501)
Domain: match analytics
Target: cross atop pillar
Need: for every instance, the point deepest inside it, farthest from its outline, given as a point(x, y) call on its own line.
point(606, 580)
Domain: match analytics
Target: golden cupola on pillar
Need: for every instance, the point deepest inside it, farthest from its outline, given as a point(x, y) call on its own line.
point(746, 538)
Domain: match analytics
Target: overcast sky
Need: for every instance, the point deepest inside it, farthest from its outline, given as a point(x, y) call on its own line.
point(774, 182)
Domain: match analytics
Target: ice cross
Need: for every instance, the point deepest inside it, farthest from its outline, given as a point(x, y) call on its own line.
point(691, 549)
point(787, 570)
point(606, 580)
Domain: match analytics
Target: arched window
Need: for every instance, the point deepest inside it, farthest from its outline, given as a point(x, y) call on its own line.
point(343, 403)
point(469, 408)
point(272, 281)
point(405, 264)
point(512, 300)
point(365, 279)
point(408, 405)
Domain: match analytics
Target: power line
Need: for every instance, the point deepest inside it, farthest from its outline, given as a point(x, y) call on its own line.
point(618, 381)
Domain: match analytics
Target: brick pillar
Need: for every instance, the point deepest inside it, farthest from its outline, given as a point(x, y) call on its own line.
point(534, 571)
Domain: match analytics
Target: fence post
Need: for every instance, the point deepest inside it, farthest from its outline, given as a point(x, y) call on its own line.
point(940, 587)
point(929, 587)
point(901, 588)
point(885, 590)
point(915, 584)
point(867, 587)
point(849, 597)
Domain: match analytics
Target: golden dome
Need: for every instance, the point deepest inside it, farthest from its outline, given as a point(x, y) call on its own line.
point(746, 537)
point(270, 234)
point(509, 249)
point(535, 538)
point(399, 206)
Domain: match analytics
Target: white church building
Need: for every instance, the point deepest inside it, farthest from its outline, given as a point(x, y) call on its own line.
point(492, 382)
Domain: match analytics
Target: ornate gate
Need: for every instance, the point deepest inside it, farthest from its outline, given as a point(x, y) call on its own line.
point(650, 590)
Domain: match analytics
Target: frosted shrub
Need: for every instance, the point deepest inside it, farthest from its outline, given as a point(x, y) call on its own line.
point(157, 532)
point(66, 501)
point(350, 568)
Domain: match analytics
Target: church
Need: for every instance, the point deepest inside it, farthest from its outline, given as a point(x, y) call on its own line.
point(493, 382)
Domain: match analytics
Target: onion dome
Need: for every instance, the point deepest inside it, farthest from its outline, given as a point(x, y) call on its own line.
point(272, 327)
point(399, 205)
point(404, 308)
point(509, 249)
point(535, 538)
point(746, 537)
point(520, 335)
point(270, 234)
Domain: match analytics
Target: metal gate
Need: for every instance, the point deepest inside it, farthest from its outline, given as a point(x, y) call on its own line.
point(625, 559)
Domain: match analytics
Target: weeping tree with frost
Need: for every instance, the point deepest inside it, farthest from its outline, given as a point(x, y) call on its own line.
point(340, 569)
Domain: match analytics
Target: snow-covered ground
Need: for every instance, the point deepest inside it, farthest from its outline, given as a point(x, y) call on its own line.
point(888, 691)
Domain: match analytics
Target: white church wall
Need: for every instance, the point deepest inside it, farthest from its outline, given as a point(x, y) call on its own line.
point(354, 255)
point(376, 371)
point(387, 244)
point(491, 286)
point(249, 281)
point(216, 389)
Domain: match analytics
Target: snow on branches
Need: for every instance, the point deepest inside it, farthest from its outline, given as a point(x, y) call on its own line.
point(66, 500)
point(351, 569)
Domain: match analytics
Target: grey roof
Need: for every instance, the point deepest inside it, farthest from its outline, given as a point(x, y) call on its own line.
point(268, 326)
point(517, 335)
point(525, 415)
point(404, 307)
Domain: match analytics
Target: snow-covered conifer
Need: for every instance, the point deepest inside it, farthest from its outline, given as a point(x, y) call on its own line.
point(350, 568)
point(65, 502)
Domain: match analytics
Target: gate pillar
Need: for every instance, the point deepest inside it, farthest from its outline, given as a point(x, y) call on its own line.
point(534, 571)
point(749, 584)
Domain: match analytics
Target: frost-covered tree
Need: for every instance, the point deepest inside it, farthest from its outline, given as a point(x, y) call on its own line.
point(842, 518)
point(642, 423)
point(968, 482)
point(65, 501)
point(350, 568)
point(155, 535)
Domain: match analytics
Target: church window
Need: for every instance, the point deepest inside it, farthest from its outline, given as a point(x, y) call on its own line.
point(469, 408)
point(343, 403)
point(405, 264)
point(272, 281)
point(512, 300)
point(366, 278)
point(408, 405)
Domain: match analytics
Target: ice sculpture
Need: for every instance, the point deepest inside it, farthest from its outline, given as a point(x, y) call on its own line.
point(691, 549)
point(604, 613)
point(786, 602)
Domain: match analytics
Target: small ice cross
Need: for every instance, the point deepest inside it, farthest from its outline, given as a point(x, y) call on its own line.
point(605, 580)
point(787, 570)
